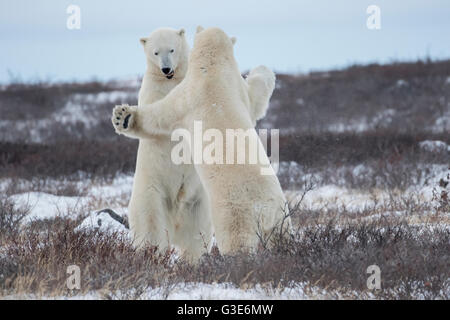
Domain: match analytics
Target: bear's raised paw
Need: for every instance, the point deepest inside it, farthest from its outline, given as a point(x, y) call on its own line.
point(123, 117)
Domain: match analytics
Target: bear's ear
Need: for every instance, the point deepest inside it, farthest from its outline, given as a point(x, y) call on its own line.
point(233, 40)
point(181, 32)
point(199, 29)
point(143, 41)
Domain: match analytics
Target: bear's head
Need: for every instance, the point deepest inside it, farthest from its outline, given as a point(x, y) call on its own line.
point(166, 49)
point(213, 49)
point(213, 39)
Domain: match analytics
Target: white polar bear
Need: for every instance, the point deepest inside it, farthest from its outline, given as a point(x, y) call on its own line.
point(243, 200)
point(168, 204)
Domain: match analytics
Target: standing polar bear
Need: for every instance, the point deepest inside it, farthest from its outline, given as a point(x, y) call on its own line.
point(168, 204)
point(243, 200)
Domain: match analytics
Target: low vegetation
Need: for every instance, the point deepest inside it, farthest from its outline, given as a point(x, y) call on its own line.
point(359, 129)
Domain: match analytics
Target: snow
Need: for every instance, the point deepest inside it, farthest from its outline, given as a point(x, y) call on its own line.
point(382, 119)
point(300, 101)
point(359, 125)
point(434, 146)
point(278, 84)
point(222, 291)
point(122, 184)
point(332, 197)
point(116, 194)
point(401, 83)
point(228, 291)
point(79, 108)
point(44, 205)
point(203, 291)
point(73, 112)
point(118, 96)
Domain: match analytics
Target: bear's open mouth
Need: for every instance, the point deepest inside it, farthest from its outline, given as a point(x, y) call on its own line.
point(170, 75)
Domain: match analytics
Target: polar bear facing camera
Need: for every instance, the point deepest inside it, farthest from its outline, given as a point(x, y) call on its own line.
point(168, 204)
point(243, 200)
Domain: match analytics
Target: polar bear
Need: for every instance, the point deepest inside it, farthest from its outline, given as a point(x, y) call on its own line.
point(243, 201)
point(168, 204)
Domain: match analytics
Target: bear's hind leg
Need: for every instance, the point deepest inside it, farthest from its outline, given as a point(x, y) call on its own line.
point(235, 229)
point(148, 221)
point(193, 231)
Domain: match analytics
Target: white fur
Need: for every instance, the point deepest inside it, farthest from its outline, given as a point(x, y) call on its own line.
point(168, 205)
point(242, 200)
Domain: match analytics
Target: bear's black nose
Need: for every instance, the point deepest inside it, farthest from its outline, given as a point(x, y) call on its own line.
point(166, 70)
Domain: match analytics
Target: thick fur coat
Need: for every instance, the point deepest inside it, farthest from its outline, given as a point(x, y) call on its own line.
point(242, 203)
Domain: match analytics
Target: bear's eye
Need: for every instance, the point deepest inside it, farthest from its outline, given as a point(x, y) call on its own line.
point(171, 51)
point(156, 53)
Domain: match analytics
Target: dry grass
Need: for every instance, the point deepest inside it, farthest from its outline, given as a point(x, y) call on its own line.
point(330, 254)
point(332, 247)
point(414, 94)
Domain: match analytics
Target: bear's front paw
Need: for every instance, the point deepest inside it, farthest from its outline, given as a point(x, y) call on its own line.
point(123, 117)
point(265, 74)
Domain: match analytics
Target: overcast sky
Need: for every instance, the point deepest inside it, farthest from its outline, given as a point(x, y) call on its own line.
point(288, 36)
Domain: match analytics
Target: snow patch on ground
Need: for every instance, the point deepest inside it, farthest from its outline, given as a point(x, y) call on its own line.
point(442, 123)
point(332, 197)
point(121, 184)
point(43, 205)
point(46, 206)
point(434, 146)
point(359, 125)
point(228, 291)
point(401, 83)
point(118, 96)
point(382, 119)
point(202, 291)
